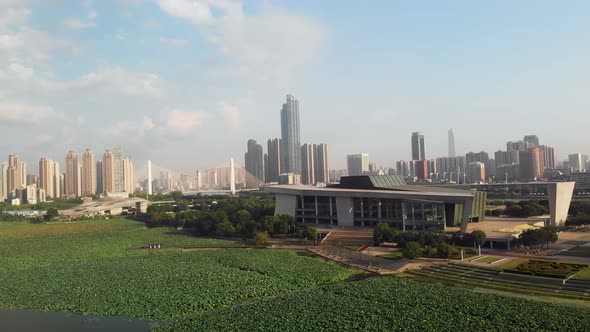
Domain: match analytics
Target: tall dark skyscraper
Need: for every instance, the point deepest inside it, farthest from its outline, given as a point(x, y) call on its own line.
point(254, 164)
point(290, 137)
point(531, 141)
point(273, 168)
point(418, 147)
point(451, 143)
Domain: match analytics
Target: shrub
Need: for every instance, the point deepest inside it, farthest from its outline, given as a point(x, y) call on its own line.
point(445, 250)
point(261, 238)
point(413, 250)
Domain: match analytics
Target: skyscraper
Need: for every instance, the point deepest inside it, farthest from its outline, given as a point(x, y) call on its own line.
point(290, 137)
point(88, 173)
point(72, 176)
point(475, 172)
point(274, 160)
point(548, 156)
point(108, 177)
point(4, 182)
point(128, 175)
point(357, 163)
point(118, 169)
point(307, 164)
point(49, 177)
point(321, 163)
point(254, 164)
point(531, 141)
point(576, 162)
point(418, 152)
point(515, 146)
point(451, 143)
point(16, 174)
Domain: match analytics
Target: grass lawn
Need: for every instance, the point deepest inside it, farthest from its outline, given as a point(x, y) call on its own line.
point(577, 252)
point(393, 255)
point(583, 275)
point(488, 259)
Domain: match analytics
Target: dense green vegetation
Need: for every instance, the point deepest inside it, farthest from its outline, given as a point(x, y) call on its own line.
point(536, 237)
point(388, 304)
point(88, 267)
point(59, 203)
point(98, 267)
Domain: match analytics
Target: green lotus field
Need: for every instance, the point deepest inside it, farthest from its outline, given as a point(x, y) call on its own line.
point(94, 267)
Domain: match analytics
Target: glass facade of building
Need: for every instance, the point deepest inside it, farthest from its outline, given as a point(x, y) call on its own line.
point(368, 211)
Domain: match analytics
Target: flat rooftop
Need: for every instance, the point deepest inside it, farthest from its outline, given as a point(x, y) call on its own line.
point(102, 205)
point(407, 190)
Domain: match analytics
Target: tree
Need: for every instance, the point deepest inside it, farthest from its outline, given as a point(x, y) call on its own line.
point(479, 238)
point(412, 250)
point(383, 233)
point(51, 213)
point(261, 238)
point(176, 195)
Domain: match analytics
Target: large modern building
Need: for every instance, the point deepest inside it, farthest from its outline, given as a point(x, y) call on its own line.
point(418, 152)
point(290, 137)
point(308, 164)
point(321, 163)
point(364, 200)
point(50, 177)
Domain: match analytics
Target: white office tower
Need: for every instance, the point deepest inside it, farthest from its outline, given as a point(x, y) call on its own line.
point(232, 175)
point(149, 184)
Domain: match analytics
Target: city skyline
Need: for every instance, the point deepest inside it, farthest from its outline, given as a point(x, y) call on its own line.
point(131, 73)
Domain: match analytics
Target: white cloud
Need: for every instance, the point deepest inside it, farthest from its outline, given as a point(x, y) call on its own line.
point(231, 114)
point(76, 24)
point(197, 12)
point(174, 42)
point(20, 71)
point(92, 15)
point(271, 45)
point(13, 12)
point(12, 113)
point(184, 122)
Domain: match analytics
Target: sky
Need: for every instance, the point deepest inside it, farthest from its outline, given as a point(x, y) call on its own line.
point(186, 83)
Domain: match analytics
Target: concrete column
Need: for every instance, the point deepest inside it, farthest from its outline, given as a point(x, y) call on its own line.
point(467, 206)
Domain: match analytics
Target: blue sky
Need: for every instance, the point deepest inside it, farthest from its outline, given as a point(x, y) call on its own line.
point(187, 82)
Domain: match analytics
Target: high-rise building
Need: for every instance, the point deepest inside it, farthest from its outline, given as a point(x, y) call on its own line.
point(321, 163)
point(49, 177)
point(290, 137)
point(515, 146)
point(273, 168)
point(99, 178)
point(531, 141)
point(254, 164)
point(108, 172)
point(548, 157)
point(16, 174)
point(531, 164)
point(506, 157)
point(418, 152)
point(451, 143)
point(88, 173)
point(475, 172)
point(421, 169)
point(4, 182)
point(307, 164)
point(128, 175)
point(482, 157)
point(357, 163)
point(118, 169)
point(72, 176)
point(576, 162)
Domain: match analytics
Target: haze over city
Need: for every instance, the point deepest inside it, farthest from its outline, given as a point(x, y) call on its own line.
point(186, 84)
